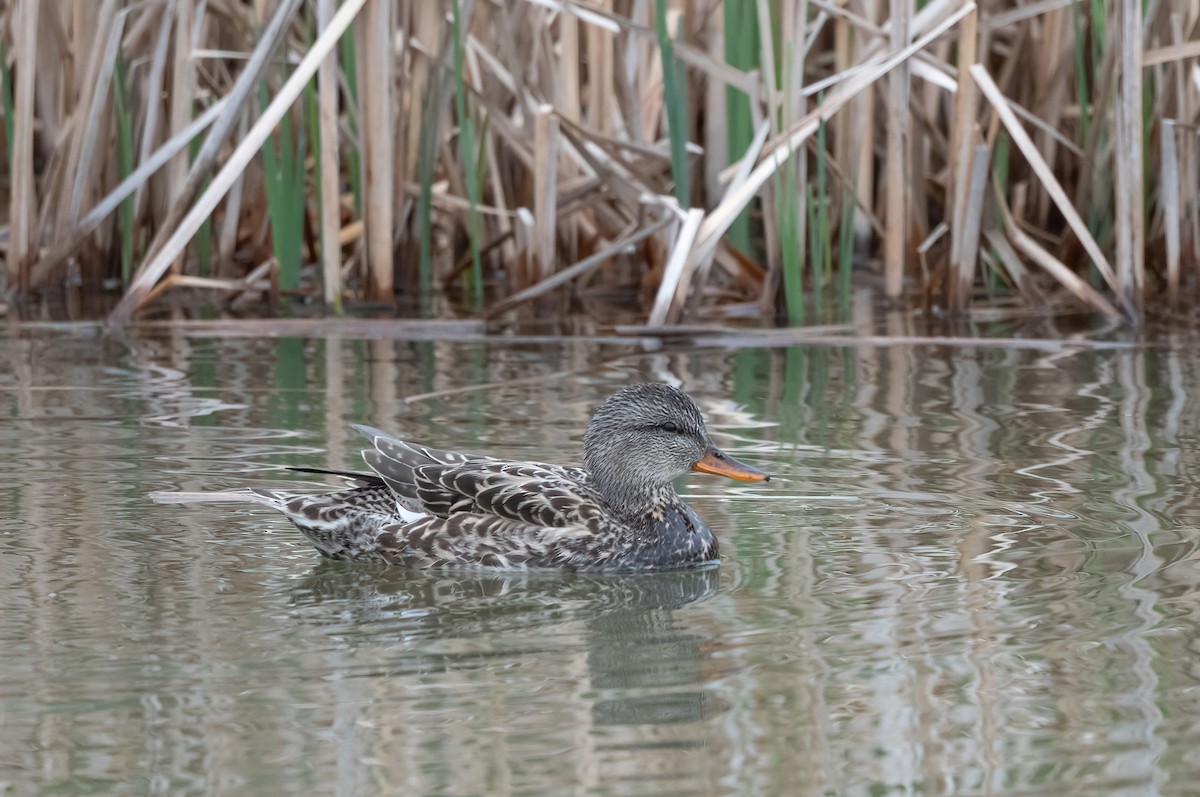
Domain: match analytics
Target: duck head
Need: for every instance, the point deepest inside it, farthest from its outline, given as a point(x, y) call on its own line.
point(644, 437)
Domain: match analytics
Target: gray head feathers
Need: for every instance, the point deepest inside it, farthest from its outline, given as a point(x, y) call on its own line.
point(641, 439)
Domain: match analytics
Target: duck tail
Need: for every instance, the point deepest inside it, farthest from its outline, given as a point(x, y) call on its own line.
point(264, 497)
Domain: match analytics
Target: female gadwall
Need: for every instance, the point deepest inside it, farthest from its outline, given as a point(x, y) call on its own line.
point(425, 508)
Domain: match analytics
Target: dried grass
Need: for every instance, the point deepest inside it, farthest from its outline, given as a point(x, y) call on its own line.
point(455, 144)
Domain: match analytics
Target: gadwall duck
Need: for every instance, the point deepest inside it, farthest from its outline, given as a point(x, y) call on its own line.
point(425, 508)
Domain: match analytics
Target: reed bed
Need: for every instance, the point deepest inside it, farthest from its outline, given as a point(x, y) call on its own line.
point(746, 157)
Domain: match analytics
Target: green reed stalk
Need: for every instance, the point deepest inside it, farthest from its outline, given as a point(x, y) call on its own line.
point(426, 152)
point(283, 176)
point(1000, 161)
point(1096, 212)
point(741, 52)
point(467, 157)
point(845, 249)
point(1099, 22)
point(786, 207)
point(349, 68)
point(316, 148)
point(204, 234)
point(1082, 90)
point(312, 111)
point(124, 122)
point(675, 98)
point(819, 230)
point(816, 243)
point(6, 97)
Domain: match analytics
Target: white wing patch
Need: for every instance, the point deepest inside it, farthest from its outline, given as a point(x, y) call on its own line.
point(407, 515)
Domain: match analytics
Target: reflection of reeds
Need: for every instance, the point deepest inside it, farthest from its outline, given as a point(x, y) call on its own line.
point(513, 142)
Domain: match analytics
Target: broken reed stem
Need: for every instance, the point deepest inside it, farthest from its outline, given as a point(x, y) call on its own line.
point(238, 159)
point(1049, 182)
point(677, 275)
point(182, 189)
point(134, 182)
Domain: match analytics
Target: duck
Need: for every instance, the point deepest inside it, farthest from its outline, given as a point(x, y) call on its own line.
point(425, 508)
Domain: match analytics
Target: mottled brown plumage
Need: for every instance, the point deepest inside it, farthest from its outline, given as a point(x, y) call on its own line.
point(426, 508)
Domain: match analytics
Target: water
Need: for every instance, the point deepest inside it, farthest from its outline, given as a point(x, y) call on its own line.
point(975, 572)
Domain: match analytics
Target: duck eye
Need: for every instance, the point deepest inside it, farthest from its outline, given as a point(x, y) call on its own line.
point(669, 426)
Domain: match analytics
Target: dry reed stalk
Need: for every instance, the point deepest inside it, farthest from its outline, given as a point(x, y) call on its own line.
point(101, 60)
point(22, 196)
point(181, 94)
point(1059, 270)
point(501, 221)
point(1050, 264)
point(330, 195)
point(623, 245)
point(1020, 275)
point(227, 236)
point(545, 197)
point(251, 284)
point(158, 65)
point(897, 159)
point(1174, 52)
point(972, 224)
point(774, 196)
point(963, 140)
point(570, 79)
point(377, 143)
point(1048, 101)
point(677, 275)
point(769, 60)
point(1172, 218)
point(861, 153)
point(423, 47)
point(742, 169)
point(1130, 219)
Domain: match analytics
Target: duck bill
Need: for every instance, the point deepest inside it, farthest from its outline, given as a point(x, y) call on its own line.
point(718, 463)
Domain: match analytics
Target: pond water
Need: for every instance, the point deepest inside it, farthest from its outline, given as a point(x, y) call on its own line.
point(974, 572)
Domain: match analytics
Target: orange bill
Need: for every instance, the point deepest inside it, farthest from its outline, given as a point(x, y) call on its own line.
point(717, 462)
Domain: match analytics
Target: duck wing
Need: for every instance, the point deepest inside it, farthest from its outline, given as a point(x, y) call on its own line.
point(395, 462)
point(527, 493)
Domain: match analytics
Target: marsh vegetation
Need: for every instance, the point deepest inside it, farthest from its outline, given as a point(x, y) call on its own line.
point(751, 158)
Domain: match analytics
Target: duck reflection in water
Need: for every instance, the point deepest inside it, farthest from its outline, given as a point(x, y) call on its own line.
point(645, 665)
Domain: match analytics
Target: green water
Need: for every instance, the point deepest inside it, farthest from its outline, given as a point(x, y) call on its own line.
point(974, 572)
